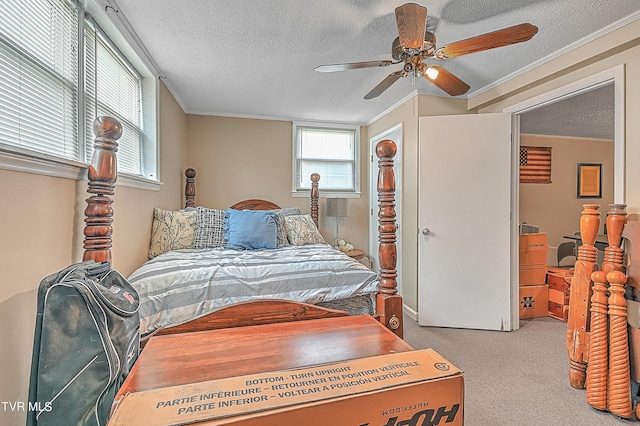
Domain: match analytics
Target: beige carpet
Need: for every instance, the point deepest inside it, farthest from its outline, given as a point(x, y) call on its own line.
point(513, 378)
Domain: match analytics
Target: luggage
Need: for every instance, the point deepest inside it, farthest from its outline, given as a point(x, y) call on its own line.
point(86, 341)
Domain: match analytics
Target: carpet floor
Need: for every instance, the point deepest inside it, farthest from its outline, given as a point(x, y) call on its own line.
point(513, 378)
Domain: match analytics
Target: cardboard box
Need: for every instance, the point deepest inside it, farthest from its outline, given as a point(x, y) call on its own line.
point(534, 301)
point(533, 258)
point(415, 387)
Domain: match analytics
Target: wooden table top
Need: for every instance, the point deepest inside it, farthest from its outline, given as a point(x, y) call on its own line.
point(355, 253)
point(207, 355)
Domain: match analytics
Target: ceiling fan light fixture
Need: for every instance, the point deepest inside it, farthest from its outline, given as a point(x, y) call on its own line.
point(432, 73)
point(415, 45)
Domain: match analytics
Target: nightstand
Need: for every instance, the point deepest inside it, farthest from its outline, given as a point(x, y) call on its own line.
point(357, 254)
point(360, 256)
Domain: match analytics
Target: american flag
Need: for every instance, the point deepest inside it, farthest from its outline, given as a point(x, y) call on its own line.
point(535, 164)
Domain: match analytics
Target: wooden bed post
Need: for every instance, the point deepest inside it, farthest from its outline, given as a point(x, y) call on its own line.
point(619, 379)
point(388, 302)
point(315, 194)
point(580, 298)
point(601, 339)
point(102, 175)
point(190, 188)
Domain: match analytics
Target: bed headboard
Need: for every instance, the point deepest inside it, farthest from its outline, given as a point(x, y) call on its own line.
point(102, 177)
point(252, 204)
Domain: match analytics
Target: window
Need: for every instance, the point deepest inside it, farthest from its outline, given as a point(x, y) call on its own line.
point(329, 150)
point(114, 89)
point(39, 77)
point(56, 80)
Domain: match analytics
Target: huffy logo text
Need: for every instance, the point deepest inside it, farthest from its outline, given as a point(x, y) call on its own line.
point(428, 417)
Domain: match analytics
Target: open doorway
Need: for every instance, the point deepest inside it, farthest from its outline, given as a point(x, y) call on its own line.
point(614, 78)
point(575, 131)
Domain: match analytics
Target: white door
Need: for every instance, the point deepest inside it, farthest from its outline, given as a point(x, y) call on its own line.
point(465, 273)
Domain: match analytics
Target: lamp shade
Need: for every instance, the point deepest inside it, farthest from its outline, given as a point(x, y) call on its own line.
point(337, 207)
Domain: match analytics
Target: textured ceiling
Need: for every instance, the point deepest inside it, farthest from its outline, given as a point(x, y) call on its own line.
point(588, 115)
point(256, 58)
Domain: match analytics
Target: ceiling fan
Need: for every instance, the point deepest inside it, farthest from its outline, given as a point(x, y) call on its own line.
point(415, 45)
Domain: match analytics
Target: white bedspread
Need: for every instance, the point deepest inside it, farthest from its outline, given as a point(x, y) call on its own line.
point(184, 284)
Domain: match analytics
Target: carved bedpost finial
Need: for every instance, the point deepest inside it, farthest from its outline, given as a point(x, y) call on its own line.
point(315, 194)
point(614, 254)
point(102, 175)
point(190, 188)
point(389, 303)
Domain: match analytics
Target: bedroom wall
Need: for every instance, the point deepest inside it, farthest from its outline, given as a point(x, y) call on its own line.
point(408, 113)
point(243, 158)
point(41, 228)
point(555, 207)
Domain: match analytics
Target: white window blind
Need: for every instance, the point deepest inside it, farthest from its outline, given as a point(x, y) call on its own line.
point(329, 151)
point(39, 76)
point(59, 70)
point(113, 87)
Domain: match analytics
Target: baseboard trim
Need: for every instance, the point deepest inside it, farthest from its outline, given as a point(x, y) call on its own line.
point(410, 312)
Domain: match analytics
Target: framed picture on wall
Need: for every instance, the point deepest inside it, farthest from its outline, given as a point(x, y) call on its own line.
point(589, 180)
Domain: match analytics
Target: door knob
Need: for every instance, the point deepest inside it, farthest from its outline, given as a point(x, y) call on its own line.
point(425, 231)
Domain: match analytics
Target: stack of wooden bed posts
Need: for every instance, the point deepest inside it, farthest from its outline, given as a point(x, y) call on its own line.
point(602, 341)
point(98, 240)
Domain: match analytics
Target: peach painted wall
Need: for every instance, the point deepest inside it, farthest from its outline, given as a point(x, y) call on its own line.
point(41, 233)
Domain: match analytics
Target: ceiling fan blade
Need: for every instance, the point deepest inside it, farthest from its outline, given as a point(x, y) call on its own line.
point(447, 82)
point(503, 37)
point(353, 66)
point(412, 23)
point(385, 84)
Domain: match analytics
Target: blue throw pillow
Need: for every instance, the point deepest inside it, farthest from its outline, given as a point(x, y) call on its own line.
point(250, 229)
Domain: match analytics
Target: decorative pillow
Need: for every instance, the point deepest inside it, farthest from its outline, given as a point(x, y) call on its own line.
point(288, 211)
point(301, 230)
point(171, 230)
point(209, 231)
point(282, 227)
point(250, 229)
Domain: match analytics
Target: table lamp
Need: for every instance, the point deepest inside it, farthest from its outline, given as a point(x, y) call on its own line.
point(337, 207)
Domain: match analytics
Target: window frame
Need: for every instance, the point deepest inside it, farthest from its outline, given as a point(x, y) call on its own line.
point(304, 192)
point(30, 161)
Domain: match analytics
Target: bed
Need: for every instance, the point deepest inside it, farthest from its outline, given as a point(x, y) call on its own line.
point(182, 288)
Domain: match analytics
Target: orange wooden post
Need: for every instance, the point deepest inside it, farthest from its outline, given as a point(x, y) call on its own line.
point(579, 300)
point(614, 254)
point(102, 174)
point(597, 370)
point(619, 375)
